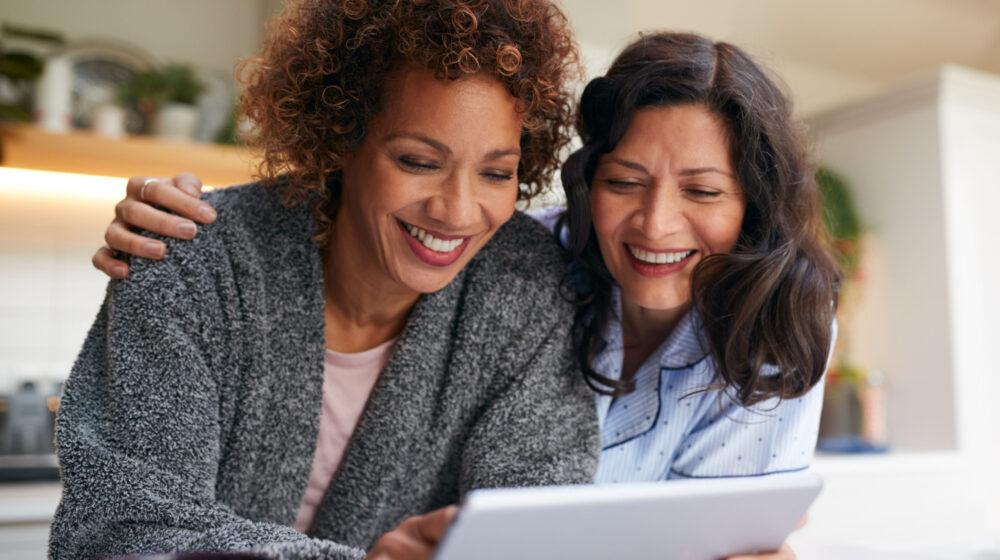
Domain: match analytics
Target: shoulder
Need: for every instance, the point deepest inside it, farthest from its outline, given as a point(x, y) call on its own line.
point(256, 250)
point(523, 249)
point(256, 210)
point(252, 222)
point(523, 268)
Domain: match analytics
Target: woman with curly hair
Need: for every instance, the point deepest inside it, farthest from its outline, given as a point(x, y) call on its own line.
point(364, 336)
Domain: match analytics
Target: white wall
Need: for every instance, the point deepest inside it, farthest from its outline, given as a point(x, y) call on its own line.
point(924, 161)
point(208, 34)
point(49, 293)
point(888, 149)
point(970, 116)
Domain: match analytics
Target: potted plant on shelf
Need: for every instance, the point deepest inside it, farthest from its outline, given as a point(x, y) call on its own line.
point(166, 98)
point(21, 66)
point(853, 417)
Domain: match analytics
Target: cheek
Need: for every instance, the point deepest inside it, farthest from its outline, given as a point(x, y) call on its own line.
point(498, 205)
point(604, 215)
point(721, 230)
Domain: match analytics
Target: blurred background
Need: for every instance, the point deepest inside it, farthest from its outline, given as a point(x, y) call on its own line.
point(902, 102)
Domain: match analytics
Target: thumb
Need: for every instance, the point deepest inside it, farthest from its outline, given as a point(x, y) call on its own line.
point(431, 527)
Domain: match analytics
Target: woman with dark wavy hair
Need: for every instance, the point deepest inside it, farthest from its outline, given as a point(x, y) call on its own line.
point(707, 294)
point(365, 335)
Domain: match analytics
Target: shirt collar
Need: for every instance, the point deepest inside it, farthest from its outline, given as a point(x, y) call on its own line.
point(686, 345)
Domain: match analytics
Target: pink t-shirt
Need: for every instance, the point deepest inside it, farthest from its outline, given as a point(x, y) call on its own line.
point(347, 381)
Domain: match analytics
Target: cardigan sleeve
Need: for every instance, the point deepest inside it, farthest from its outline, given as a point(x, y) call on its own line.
point(138, 432)
point(541, 429)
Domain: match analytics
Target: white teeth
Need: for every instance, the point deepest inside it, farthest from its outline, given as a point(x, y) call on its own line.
point(431, 242)
point(658, 258)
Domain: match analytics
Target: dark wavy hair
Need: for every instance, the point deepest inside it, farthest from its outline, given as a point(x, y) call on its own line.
point(320, 78)
point(772, 299)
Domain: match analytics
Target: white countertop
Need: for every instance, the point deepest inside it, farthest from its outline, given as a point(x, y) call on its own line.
point(33, 502)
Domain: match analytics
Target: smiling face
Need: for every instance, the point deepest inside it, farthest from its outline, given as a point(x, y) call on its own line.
point(664, 199)
point(434, 179)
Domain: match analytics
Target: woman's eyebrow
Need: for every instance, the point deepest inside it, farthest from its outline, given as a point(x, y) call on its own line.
point(419, 138)
point(497, 154)
point(629, 164)
point(441, 147)
point(700, 170)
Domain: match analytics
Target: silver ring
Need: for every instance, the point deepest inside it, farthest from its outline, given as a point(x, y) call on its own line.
point(142, 189)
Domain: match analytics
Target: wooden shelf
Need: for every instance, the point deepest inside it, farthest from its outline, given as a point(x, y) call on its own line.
point(27, 147)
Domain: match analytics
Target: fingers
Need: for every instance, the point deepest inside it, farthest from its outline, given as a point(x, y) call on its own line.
point(783, 553)
point(189, 183)
point(105, 261)
point(415, 538)
point(137, 214)
point(120, 238)
point(400, 544)
point(180, 194)
point(431, 527)
point(803, 521)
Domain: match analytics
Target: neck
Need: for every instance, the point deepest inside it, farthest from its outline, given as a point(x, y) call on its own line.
point(363, 307)
point(643, 330)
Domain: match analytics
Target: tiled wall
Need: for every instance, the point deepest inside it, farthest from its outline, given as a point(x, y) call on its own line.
point(47, 304)
point(49, 292)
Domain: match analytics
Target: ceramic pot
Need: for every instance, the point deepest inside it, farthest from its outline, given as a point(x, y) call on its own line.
point(176, 121)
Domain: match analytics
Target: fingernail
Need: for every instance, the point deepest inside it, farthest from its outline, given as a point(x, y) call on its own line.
point(187, 229)
point(206, 213)
point(120, 271)
point(154, 250)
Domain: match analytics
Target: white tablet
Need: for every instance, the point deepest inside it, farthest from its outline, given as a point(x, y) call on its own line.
point(703, 519)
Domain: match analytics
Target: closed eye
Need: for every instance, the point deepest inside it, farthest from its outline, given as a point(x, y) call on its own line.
point(498, 176)
point(704, 194)
point(621, 184)
point(417, 165)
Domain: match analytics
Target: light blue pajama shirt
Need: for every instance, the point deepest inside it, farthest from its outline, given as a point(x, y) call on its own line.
point(665, 429)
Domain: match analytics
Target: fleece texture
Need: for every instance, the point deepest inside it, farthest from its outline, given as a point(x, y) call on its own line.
point(190, 418)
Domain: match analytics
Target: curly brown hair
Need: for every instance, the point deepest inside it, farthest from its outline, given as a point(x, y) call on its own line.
point(320, 78)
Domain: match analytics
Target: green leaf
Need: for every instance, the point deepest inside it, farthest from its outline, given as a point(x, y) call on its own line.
point(14, 113)
point(35, 34)
point(20, 66)
point(839, 210)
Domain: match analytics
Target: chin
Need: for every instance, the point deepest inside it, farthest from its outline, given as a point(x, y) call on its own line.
point(424, 283)
point(657, 300)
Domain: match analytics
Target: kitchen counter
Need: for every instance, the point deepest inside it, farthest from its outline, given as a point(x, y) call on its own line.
point(28, 502)
point(26, 511)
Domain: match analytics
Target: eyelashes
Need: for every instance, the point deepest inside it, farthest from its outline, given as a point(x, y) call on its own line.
point(414, 165)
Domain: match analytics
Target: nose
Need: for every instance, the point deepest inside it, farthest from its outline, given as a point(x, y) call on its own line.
point(453, 204)
point(662, 213)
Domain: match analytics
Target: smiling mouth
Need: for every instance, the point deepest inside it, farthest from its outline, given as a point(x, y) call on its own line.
point(440, 244)
point(657, 258)
point(435, 249)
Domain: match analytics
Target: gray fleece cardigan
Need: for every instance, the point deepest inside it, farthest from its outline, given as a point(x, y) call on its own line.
point(190, 418)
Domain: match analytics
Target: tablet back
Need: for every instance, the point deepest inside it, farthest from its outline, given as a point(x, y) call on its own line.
point(682, 520)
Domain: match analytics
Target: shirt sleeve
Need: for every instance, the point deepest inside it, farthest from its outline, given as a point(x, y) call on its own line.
point(771, 437)
point(138, 434)
point(730, 440)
